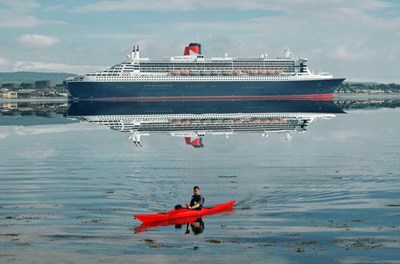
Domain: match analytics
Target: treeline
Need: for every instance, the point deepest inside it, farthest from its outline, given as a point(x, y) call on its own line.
point(30, 77)
point(349, 87)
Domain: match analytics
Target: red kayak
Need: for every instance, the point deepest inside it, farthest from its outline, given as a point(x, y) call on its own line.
point(184, 213)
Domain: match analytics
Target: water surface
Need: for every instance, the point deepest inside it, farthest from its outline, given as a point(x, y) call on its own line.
point(68, 191)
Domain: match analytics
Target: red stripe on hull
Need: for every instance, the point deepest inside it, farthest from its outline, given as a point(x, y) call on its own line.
point(308, 97)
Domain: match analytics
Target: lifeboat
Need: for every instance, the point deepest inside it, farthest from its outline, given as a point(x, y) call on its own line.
point(227, 72)
point(176, 72)
point(269, 72)
point(237, 72)
point(262, 72)
point(205, 72)
point(194, 72)
point(253, 72)
point(216, 72)
point(184, 72)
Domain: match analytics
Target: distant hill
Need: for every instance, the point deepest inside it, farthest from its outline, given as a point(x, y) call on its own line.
point(30, 77)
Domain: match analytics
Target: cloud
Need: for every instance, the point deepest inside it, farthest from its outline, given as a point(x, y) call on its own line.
point(57, 8)
point(288, 7)
point(25, 21)
point(3, 62)
point(36, 41)
point(17, 14)
point(37, 66)
point(21, 5)
point(159, 5)
point(351, 54)
point(325, 33)
point(178, 5)
point(19, 21)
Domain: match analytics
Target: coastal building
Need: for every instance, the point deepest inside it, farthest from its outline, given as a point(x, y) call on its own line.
point(27, 85)
point(26, 93)
point(45, 84)
point(10, 95)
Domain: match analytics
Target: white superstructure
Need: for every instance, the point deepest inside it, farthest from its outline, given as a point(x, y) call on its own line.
point(195, 67)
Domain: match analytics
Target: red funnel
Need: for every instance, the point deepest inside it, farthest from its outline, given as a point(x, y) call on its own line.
point(193, 49)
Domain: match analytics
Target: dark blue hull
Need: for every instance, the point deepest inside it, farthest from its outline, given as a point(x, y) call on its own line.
point(202, 90)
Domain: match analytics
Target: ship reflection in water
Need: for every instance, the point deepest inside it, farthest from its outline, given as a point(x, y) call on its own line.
point(194, 120)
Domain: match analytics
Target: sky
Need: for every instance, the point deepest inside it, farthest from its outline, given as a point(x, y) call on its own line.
point(358, 39)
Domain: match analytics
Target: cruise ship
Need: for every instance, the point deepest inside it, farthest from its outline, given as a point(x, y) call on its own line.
point(193, 77)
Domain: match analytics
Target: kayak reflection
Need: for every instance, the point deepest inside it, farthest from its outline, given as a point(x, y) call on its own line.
point(181, 216)
point(178, 223)
point(193, 224)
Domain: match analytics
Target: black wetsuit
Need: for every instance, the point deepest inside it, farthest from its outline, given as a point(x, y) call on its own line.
point(197, 199)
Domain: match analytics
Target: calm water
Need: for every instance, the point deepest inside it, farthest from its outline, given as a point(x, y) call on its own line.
point(68, 192)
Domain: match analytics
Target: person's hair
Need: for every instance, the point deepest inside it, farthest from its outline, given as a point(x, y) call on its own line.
point(196, 187)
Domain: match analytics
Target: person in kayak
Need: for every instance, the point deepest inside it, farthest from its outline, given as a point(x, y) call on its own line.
point(197, 201)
